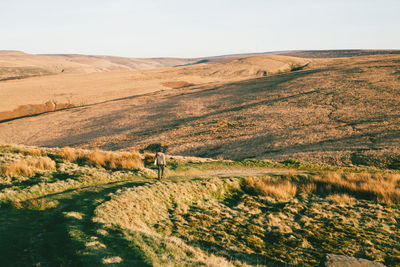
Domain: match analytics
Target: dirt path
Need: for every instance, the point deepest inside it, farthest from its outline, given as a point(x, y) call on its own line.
point(248, 172)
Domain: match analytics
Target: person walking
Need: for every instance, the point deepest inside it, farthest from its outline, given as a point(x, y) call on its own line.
point(161, 163)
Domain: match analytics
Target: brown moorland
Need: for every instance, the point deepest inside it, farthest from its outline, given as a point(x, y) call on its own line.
point(77, 88)
point(339, 110)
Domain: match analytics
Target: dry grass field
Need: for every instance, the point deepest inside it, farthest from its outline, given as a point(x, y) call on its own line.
point(76, 207)
point(29, 95)
point(340, 110)
point(273, 160)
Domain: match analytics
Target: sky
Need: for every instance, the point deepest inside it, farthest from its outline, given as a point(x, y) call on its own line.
point(193, 28)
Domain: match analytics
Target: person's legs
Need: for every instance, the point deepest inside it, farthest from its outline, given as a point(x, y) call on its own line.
point(159, 172)
point(162, 171)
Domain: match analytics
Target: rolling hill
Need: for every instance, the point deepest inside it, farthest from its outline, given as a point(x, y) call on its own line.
point(29, 95)
point(337, 110)
point(272, 160)
point(17, 64)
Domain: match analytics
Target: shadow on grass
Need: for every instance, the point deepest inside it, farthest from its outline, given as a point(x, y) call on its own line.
point(49, 238)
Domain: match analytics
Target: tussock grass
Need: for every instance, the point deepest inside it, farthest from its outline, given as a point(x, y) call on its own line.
point(341, 199)
point(34, 204)
point(68, 153)
point(23, 150)
point(142, 211)
point(105, 159)
point(280, 190)
point(380, 187)
point(43, 163)
point(20, 168)
point(202, 222)
point(193, 220)
point(27, 167)
point(30, 151)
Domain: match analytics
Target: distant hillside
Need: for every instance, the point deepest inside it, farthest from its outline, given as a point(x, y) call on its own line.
point(35, 95)
point(337, 53)
point(18, 65)
point(334, 110)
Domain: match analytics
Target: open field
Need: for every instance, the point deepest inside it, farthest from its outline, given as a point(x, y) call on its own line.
point(71, 207)
point(334, 110)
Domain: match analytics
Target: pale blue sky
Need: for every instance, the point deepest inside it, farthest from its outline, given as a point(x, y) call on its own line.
point(194, 28)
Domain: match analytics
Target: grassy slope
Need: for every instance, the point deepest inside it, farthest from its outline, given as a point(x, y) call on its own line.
point(65, 215)
point(343, 112)
point(92, 87)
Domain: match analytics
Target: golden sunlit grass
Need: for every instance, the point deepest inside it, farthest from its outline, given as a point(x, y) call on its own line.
point(162, 217)
point(105, 159)
point(43, 163)
point(25, 174)
point(33, 204)
point(327, 100)
point(274, 215)
point(342, 187)
point(26, 167)
point(382, 187)
point(263, 186)
point(69, 153)
point(29, 151)
point(16, 168)
point(341, 199)
point(144, 209)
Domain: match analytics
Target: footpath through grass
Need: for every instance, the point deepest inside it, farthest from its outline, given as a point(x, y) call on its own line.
point(57, 209)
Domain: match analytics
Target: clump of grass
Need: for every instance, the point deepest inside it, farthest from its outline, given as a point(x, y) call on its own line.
point(341, 199)
point(113, 161)
point(381, 187)
point(19, 168)
point(263, 186)
point(112, 260)
point(43, 163)
point(124, 161)
point(34, 204)
point(105, 159)
point(307, 188)
point(30, 151)
point(27, 167)
point(68, 153)
point(23, 150)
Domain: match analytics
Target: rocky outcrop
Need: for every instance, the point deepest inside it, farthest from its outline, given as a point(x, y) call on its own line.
point(332, 260)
